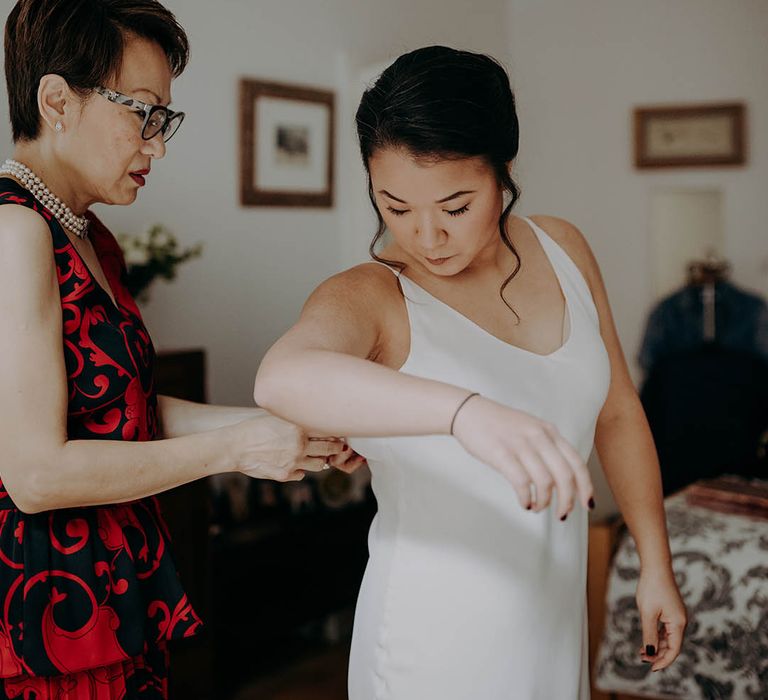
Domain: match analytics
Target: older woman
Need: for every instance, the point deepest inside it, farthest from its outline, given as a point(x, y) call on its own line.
point(89, 590)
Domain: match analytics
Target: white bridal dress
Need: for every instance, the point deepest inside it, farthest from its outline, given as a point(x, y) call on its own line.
point(467, 596)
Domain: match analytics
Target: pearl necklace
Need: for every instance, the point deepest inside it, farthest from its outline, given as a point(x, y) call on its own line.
point(64, 215)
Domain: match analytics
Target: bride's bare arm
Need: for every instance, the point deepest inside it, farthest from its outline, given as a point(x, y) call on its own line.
point(320, 374)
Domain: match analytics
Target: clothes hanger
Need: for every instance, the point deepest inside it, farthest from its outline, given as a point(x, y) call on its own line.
point(706, 274)
point(709, 270)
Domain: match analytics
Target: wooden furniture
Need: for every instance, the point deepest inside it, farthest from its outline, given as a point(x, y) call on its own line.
point(602, 542)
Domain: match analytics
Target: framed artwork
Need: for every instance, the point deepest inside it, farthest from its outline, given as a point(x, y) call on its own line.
point(690, 136)
point(286, 145)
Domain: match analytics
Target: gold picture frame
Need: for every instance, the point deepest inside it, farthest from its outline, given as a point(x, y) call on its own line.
point(690, 136)
point(286, 145)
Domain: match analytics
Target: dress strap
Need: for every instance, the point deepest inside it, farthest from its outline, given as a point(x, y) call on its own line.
point(397, 273)
point(568, 273)
point(11, 192)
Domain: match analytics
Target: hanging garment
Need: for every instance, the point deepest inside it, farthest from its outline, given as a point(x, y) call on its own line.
point(678, 323)
point(707, 409)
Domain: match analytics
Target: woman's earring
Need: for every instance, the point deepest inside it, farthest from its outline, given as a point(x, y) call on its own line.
point(59, 126)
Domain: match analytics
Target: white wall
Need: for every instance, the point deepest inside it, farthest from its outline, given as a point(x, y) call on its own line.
point(579, 68)
point(260, 264)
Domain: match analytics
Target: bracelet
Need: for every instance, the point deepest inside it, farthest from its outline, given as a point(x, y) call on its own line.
point(461, 405)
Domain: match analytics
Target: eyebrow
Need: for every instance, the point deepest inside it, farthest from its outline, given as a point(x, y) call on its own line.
point(157, 97)
point(455, 195)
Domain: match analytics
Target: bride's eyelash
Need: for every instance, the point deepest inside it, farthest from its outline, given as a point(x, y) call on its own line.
point(454, 212)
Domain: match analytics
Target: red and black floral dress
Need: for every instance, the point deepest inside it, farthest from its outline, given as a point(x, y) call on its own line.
point(90, 596)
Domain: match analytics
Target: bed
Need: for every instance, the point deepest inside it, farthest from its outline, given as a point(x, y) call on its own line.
point(721, 565)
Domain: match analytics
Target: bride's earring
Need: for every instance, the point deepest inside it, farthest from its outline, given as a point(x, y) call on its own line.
point(59, 126)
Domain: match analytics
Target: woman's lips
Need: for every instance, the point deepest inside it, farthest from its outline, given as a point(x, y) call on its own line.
point(438, 261)
point(138, 177)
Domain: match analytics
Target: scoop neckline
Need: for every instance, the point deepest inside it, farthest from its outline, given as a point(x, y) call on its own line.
point(567, 311)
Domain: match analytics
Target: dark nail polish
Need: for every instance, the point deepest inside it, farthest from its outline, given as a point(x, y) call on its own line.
point(591, 504)
point(650, 650)
point(528, 507)
point(564, 517)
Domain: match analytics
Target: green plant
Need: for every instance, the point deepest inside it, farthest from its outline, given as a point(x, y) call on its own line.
point(152, 254)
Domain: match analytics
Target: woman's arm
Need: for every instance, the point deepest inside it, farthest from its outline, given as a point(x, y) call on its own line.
point(179, 417)
point(40, 468)
point(627, 453)
point(320, 374)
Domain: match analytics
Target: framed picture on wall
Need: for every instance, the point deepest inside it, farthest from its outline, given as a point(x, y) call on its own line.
point(690, 136)
point(286, 145)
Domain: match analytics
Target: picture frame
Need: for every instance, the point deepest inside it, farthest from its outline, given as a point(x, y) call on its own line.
point(286, 145)
point(688, 136)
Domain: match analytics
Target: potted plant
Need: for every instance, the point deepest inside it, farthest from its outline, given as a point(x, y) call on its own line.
point(152, 254)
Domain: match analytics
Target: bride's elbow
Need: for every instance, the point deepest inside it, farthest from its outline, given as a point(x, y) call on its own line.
point(265, 389)
point(276, 378)
point(259, 392)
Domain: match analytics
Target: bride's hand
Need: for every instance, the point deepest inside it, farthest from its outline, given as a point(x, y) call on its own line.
point(347, 460)
point(662, 616)
point(528, 451)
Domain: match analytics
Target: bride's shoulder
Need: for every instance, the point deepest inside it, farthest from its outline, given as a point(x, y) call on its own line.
point(372, 286)
point(572, 241)
point(366, 278)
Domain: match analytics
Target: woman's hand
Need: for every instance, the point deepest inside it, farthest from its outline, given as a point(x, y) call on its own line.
point(347, 460)
point(268, 447)
point(662, 616)
point(529, 452)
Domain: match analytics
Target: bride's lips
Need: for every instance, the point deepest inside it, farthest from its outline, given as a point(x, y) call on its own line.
point(438, 261)
point(138, 177)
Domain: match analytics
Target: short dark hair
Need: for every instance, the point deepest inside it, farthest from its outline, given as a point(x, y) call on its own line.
point(442, 103)
point(83, 42)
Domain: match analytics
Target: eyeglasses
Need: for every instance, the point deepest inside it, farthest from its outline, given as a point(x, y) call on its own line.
point(157, 119)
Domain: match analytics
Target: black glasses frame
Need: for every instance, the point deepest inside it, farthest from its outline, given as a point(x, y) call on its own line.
point(150, 111)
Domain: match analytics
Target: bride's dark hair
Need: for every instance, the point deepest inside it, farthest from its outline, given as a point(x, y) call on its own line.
point(439, 103)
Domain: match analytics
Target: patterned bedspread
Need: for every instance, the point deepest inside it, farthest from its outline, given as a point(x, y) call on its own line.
point(721, 565)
